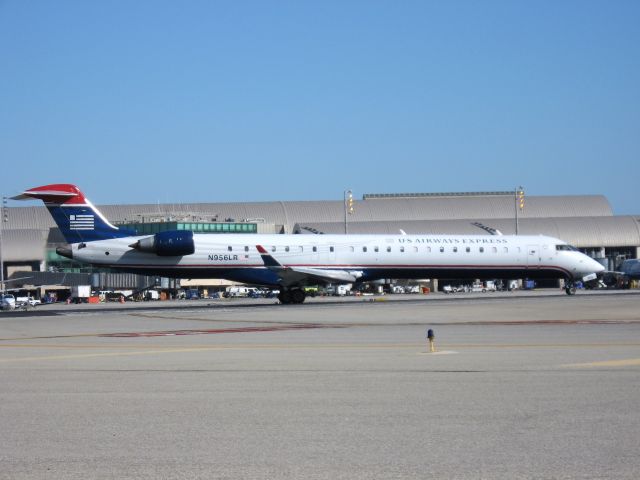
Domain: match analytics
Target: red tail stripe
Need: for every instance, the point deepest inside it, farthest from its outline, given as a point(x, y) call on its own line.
point(60, 193)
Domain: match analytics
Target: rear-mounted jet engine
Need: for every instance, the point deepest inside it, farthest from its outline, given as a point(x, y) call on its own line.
point(167, 244)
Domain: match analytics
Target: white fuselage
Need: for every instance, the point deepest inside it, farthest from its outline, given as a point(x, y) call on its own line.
point(368, 257)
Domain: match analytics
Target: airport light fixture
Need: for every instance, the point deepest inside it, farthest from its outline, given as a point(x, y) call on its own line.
point(4, 219)
point(348, 207)
point(519, 203)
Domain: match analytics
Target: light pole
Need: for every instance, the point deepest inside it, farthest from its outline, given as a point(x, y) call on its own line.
point(348, 207)
point(519, 203)
point(3, 219)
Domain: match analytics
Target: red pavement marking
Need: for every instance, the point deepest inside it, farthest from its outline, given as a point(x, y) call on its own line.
point(275, 328)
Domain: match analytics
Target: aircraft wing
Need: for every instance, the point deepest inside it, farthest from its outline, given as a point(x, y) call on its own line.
point(305, 275)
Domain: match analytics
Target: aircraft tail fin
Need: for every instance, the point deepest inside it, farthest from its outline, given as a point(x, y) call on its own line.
point(77, 218)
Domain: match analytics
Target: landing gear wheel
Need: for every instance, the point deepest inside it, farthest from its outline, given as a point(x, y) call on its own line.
point(295, 295)
point(285, 297)
point(298, 295)
point(570, 289)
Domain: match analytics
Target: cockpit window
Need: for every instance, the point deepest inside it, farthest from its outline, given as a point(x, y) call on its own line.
point(566, 248)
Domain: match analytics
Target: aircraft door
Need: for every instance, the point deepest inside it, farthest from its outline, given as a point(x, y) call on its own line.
point(533, 256)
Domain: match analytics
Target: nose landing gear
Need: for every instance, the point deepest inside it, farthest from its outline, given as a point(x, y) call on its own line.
point(570, 287)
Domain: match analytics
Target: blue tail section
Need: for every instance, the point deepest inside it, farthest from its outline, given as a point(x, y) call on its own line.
point(84, 224)
point(76, 217)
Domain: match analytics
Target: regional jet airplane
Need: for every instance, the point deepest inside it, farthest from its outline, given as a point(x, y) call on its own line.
point(292, 261)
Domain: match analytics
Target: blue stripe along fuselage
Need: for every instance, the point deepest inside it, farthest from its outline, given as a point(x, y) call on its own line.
point(264, 276)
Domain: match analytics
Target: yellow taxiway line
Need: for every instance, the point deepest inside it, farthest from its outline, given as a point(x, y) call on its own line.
point(106, 350)
point(630, 362)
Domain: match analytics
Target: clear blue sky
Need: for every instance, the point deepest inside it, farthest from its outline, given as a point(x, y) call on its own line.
point(178, 101)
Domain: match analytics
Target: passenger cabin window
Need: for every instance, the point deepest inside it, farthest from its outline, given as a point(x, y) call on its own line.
point(331, 249)
point(481, 249)
point(401, 249)
point(441, 249)
point(388, 249)
point(315, 249)
point(375, 249)
point(230, 248)
point(273, 248)
point(364, 249)
point(468, 249)
point(455, 249)
point(286, 249)
point(246, 249)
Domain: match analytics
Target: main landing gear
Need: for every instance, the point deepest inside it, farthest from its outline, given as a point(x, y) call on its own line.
point(292, 295)
point(570, 287)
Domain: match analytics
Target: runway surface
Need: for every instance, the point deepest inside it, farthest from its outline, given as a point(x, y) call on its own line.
point(525, 385)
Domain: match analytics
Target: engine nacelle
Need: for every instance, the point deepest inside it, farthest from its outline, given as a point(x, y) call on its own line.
point(167, 244)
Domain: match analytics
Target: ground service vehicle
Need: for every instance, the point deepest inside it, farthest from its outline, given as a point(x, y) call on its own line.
point(8, 301)
point(80, 293)
point(32, 302)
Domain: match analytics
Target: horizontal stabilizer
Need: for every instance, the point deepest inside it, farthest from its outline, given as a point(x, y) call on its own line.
point(58, 194)
point(30, 195)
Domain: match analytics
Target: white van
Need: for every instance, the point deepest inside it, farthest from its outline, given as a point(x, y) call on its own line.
point(339, 290)
point(239, 291)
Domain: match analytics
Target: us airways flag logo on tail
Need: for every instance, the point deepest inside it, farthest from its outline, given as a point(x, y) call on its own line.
point(82, 222)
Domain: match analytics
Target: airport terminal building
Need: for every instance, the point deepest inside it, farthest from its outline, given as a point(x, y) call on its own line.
point(30, 237)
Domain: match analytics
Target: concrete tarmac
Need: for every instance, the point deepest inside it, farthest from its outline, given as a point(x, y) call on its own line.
point(522, 385)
